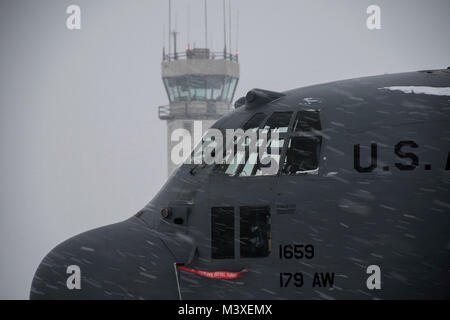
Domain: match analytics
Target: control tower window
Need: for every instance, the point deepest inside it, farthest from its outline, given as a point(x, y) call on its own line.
point(255, 232)
point(214, 85)
point(232, 87)
point(183, 88)
point(171, 88)
point(200, 88)
point(226, 87)
point(222, 233)
point(303, 151)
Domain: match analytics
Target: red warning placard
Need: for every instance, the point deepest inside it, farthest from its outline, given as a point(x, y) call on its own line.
point(215, 274)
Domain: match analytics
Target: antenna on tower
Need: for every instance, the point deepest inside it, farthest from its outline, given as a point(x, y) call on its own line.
point(224, 30)
point(170, 24)
point(174, 33)
point(175, 45)
point(237, 31)
point(188, 24)
point(164, 41)
point(206, 25)
point(176, 25)
point(229, 25)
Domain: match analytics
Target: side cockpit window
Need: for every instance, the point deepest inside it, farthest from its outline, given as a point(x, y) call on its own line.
point(303, 150)
point(302, 155)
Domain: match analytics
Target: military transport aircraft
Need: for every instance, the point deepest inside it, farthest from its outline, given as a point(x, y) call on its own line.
point(358, 209)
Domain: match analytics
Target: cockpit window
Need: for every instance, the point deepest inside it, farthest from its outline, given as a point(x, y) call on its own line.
point(254, 121)
point(231, 166)
point(259, 161)
point(303, 150)
point(298, 138)
point(302, 155)
point(279, 121)
point(307, 120)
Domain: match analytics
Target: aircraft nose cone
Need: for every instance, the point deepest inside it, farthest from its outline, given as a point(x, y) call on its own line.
point(120, 261)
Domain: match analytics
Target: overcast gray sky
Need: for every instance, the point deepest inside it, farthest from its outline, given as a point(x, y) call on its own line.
point(81, 144)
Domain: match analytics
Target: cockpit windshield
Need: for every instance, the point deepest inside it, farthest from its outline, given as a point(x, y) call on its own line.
point(282, 142)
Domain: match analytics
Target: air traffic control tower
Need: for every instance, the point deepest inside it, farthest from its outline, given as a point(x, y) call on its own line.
point(200, 85)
